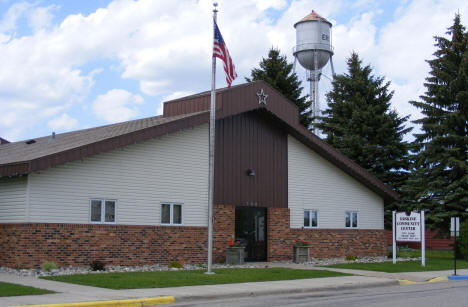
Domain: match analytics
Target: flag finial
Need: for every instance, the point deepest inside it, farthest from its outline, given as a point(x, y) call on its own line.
point(215, 5)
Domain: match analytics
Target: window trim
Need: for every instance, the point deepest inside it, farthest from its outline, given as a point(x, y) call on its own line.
point(317, 215)
point(103, 210)
point(171, 213)
point(351, 219)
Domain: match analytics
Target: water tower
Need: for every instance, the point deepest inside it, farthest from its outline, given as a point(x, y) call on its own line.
point(313, 50)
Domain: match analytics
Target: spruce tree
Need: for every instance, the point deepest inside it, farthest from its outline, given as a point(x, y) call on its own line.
point(279, 73)
point(359, 122)
point(439, 181)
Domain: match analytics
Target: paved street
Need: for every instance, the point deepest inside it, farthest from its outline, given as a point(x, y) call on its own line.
point(454, 293)
point(372, 289)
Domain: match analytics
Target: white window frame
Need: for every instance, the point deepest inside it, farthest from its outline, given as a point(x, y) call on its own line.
point(317, 215)
point(351, 219)
point(171, 213)
point(103, 210)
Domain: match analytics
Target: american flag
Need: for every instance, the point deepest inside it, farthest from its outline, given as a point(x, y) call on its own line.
point(220, 51)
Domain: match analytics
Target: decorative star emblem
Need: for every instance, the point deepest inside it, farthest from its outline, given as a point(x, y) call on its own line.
point(262, 97)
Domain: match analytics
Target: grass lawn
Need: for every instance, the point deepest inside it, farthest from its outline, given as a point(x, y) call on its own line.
point(7, 289)
point(435, 261)
point(135, 280)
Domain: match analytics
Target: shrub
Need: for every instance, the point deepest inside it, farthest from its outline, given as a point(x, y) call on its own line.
point(350, 258)
point(175, 265)
point(302, 243)
point(48, 266)
point(97, 265)
point(462, 241)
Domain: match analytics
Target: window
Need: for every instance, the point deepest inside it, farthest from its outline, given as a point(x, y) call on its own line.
point(171, 214)
point(103, 211)
point(351, 219)
point(310, 218)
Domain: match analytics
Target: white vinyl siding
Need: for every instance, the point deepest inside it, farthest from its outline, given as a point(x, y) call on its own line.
point(139, 176)
point(313, 182)
point(13, 200)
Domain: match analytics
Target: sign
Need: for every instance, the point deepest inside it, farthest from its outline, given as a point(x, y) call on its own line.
point(454, 226)
point(408, 227)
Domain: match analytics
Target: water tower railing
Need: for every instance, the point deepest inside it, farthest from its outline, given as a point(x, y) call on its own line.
point(313, 46)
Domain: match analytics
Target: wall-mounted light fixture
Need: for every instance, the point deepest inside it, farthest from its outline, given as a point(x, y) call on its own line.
point(250, 172)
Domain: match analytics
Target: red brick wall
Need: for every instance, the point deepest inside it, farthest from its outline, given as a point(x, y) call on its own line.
point(331, 243)
point(29, 245)
point(325, 243)
point(223, 229)
point(280, 240)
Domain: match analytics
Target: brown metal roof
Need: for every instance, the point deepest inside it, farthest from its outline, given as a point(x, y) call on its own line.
point(3, 141)
point(312, 17)
point(20, 158)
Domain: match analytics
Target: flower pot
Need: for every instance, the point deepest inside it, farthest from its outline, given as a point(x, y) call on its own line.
point(301, 254)
point(234, 255)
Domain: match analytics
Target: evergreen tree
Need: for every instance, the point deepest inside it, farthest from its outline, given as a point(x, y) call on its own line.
point(279, 73)
point(439, 181)
point(358, 122)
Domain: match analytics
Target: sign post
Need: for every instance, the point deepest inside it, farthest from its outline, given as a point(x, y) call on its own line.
point(423, 239)
point(409, 228)
point(454, 229)
point(394, 237)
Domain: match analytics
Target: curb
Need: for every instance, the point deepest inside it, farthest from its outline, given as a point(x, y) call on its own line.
point(458, 277)
point(185, 298)
point(148, 301)
point(405, 282)
point(438, 279)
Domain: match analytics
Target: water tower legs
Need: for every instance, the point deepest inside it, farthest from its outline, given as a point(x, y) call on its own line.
point(331, 65)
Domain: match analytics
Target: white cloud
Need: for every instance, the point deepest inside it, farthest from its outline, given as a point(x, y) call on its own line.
point(175, 95)
point(41, 17)
point(165, 46)
point(63, 123)
point(15, 12)
point(273, 4)
point(116, 105)
point(178, 94)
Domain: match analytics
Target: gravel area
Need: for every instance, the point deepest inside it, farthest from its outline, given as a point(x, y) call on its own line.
point(157, 267)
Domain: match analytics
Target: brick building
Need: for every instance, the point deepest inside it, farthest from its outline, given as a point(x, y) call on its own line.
point(135, 192)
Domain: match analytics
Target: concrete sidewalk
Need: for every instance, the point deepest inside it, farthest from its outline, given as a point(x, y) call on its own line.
point(70, 293)
point(412, 276)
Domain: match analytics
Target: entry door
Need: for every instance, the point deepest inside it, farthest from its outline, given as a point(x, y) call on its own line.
point(251, 232)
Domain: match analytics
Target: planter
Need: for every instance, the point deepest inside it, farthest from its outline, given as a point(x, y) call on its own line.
point(301, 254)
point(235, 255)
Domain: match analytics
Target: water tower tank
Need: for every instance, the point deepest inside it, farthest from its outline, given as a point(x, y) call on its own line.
point(313, 36)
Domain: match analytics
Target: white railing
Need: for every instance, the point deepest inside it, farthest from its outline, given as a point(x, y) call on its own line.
point(313, 46)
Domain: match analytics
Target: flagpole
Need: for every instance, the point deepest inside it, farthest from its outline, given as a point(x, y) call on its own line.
point(212, 151)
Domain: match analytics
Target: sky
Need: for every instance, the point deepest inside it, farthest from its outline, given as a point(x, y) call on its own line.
point(69, 65)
